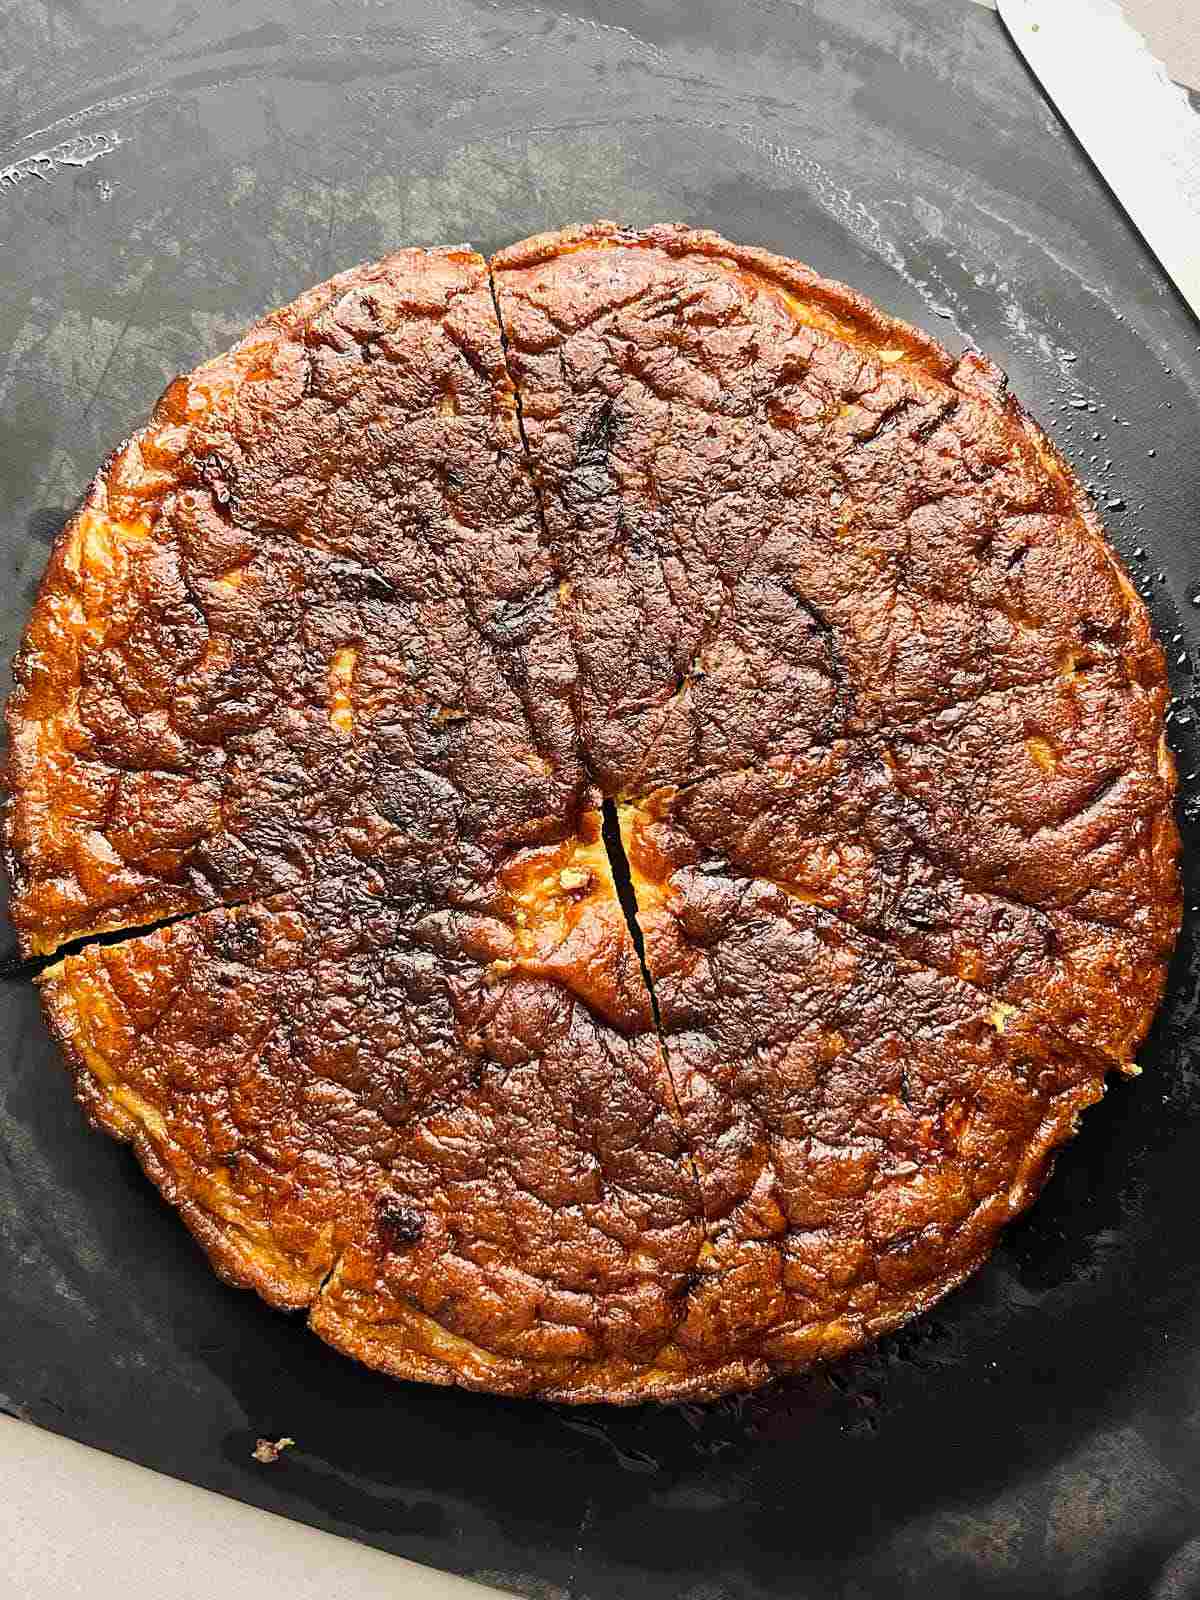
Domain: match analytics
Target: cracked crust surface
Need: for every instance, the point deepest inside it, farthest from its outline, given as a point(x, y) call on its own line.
point(336, 664)
point(301, 621)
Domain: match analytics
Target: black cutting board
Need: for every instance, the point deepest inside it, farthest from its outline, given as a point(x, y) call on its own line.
point(1039, 1434)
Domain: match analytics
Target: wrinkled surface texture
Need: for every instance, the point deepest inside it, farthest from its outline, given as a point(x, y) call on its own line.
point(335, 668)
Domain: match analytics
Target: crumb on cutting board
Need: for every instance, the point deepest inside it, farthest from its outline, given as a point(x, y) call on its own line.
point(269, 1450)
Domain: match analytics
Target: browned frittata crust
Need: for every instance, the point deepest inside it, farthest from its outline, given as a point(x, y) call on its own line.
point(348, 655)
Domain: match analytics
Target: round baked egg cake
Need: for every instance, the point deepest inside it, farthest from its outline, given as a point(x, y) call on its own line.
point(593, 817)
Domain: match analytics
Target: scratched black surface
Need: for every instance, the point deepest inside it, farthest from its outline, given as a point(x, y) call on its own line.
point(1040, 1433)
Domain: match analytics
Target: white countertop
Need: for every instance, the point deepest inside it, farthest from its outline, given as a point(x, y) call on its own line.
point(62, 1504)
point(1172, 30)
point(62, 1501)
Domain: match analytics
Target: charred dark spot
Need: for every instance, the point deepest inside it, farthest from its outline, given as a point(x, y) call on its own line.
point(638, 540)
point(399, 1225)
point(825, 635)
point(657, 310)
point(355, 582)
point(441, 719)
point(235, 939)
point(1111, 636)
point(714, 867)
point(596, 437)
point(925, 430)
point(217, 474)
point(887, 420)
point(515, 619)
point(918, 910)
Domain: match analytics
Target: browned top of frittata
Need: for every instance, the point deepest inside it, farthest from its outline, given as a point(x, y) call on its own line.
point(636, 794)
